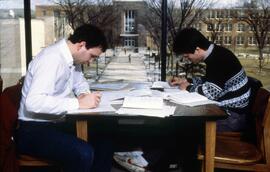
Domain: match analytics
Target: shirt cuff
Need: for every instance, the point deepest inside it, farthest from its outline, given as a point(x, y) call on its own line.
point(72, 104)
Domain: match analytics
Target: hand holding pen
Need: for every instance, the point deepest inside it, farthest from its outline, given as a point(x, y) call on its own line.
point(90, 100)
point(179, 81)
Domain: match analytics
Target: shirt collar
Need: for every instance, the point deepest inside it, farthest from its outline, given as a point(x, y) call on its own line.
point(209, 51)
point(66, 52)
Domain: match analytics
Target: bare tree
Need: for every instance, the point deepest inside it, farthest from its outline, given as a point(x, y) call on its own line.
point(74, 11)
point(98, 12)
point(215, 25)
point(180, 14)
point(257, 15)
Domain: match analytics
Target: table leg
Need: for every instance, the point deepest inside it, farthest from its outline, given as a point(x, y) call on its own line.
point(210, 146)
point(81, 128)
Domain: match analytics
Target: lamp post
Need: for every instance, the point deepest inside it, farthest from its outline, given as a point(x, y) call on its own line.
point(163, 50)
point(27, 25)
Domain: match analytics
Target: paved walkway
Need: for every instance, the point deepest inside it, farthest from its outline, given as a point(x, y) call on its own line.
point(121, 68)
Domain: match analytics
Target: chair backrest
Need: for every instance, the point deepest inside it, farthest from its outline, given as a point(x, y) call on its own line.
point(9, 103)
point(249, 134)
point(261, 112)
point(254, 84)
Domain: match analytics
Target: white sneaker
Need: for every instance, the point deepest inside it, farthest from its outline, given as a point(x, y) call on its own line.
point(132, 161)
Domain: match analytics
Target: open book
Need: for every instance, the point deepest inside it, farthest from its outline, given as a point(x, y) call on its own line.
point(189, 99)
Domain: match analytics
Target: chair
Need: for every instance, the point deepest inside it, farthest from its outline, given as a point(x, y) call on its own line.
point(249, 133)
point(10, 99)
point(239, 154)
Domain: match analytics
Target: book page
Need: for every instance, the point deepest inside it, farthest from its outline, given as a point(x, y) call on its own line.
point(143, 102)
point(161, 84)
point(164, 112)
point(186, 97)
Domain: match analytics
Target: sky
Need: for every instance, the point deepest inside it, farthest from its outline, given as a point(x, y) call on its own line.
point(19, 3)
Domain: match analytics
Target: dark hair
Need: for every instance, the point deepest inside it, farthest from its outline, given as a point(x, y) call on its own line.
point(188, 39)
point(92, 35)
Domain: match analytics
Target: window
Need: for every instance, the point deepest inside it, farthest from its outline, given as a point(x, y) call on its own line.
point(227, 14)
point(240, 40)
point(44, 13)
point(219, 40)
point(268, 40)
point(227, 40)
point(250, 28)
point(209, 27)
point(251, 40)
point(240, 27)
point(228, 27)
point(197, 26)
point(129, 41)
point(129, 21)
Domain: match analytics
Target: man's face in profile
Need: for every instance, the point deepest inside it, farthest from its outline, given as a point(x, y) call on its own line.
point(86, 56)
point(195, 57)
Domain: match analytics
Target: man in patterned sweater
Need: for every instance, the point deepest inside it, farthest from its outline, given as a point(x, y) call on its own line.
point(225, 80)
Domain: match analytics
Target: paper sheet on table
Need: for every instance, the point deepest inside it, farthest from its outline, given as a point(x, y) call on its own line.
point(204, 102)
point(188, 99)
point(160, 84)
point(100, 108)
point(109, 86)
point(164, 112)
point(143, 102)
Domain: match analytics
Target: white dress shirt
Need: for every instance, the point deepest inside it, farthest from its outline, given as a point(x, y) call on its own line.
point(51, 84)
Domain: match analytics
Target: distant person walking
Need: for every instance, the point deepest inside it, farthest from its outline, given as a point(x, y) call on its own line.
point(129, 58)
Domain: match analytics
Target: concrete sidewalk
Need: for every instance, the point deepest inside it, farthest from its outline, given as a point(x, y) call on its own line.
point(124, 68)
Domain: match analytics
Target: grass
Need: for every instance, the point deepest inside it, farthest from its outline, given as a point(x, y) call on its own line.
point(251, 67)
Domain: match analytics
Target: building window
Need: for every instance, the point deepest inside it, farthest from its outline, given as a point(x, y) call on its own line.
point(268, 40)
point(219, 40)
point(240, 40)
point(227, 40)
point(227, 14)
point(198, 26)
point(129, 21)
point(129, 41)
point(250, 28)
point(251, 40)
point(209, 27)
point(240, 27)
point(228, 27)
point(219, 14)
point(44, 13)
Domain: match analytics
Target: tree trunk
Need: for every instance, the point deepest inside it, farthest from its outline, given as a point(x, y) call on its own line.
point(260, 60)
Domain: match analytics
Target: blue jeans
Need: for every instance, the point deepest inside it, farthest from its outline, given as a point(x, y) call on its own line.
point(48, 140)
point(234, 122)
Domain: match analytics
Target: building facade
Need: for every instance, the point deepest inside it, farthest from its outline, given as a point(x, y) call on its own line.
point(12, 47)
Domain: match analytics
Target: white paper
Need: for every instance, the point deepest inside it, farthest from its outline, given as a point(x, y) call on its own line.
point(160, 84)
point(100, 108)
point(143, 102)
point(188, 99)
point(109, 86)
point(164, 112)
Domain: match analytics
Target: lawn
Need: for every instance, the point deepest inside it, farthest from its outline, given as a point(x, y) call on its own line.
point(252, 69)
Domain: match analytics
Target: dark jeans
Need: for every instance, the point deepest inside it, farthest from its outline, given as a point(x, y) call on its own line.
point(234, 122)
point(51, 141)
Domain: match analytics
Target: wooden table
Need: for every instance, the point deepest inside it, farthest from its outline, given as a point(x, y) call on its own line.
point(207, 113)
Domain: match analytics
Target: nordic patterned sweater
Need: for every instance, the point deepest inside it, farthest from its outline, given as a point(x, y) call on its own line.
point(225, 81)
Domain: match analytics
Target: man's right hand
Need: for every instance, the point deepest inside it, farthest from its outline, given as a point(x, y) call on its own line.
point(176, 81)
point(90, 100)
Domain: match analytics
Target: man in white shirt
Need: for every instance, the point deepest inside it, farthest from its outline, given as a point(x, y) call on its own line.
point(54, 84)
